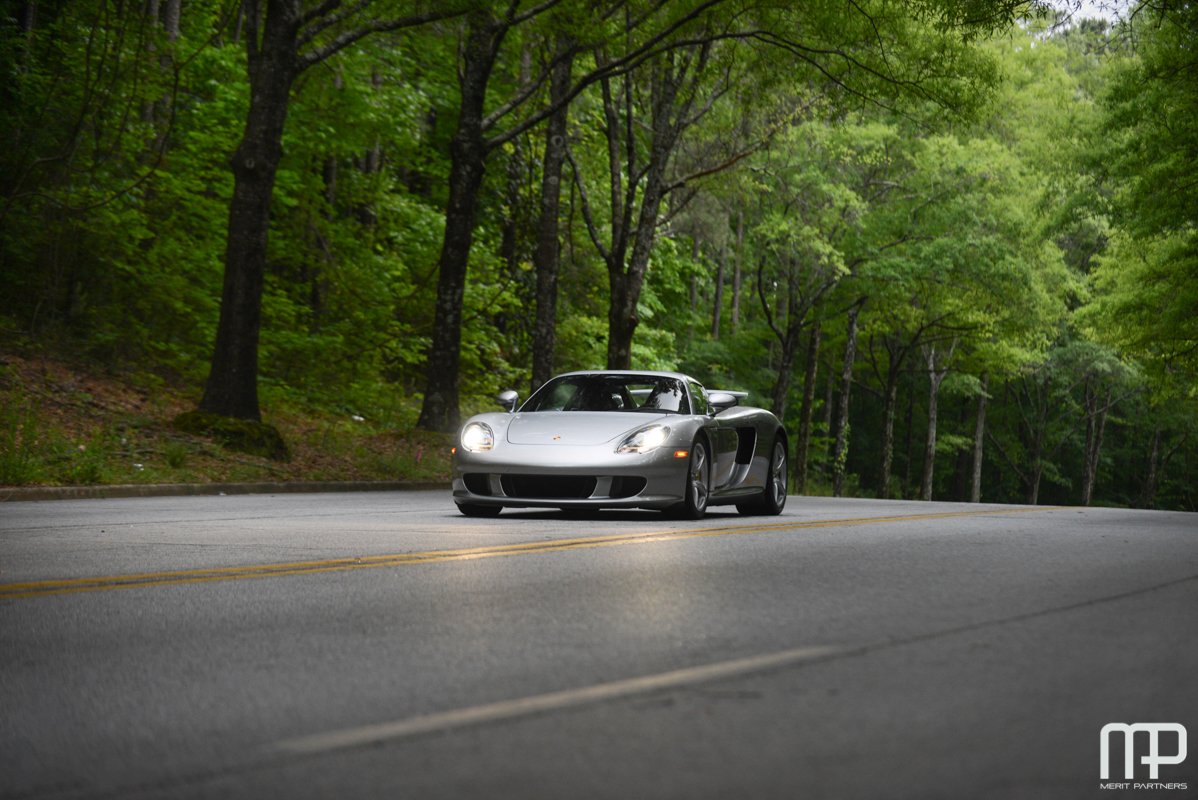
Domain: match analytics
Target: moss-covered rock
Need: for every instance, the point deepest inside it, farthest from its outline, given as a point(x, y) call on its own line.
point(242, 435)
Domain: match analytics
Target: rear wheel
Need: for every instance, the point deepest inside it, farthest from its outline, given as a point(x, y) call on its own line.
point(773, 497)
point(476, 510)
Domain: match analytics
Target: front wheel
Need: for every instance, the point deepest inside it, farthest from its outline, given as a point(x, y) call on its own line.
point(773, 497)
point(698, 484)
point(476, 510)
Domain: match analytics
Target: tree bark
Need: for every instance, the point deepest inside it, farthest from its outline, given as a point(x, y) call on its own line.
point(738, 269)
point(717, 303)
point(151, 13)
point(171, 15)
point(509, 226)
point(806, 410)
point(1037, 457)
point(1152, 479)
point(929, 451)
point(468, 161)
point(889, 410)
point(936, 375)
point(829, 398)
point(621, 317)
point(908, 444)
point(786, 360)
point(897, 351)
point(1097, 409)
point(546, 258)
point(28, 17)
point(840, 451)
point(979, 433)
point(232, 386)
point(626, 283)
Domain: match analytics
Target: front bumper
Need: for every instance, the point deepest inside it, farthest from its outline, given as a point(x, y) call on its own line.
point(569, 476)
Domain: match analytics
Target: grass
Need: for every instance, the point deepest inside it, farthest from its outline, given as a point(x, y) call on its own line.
point(67, 424)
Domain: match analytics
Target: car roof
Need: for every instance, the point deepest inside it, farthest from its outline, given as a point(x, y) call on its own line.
point(629, 372)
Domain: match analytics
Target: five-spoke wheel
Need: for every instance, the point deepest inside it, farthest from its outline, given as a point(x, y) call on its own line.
point(773, 497)
point(698, 483)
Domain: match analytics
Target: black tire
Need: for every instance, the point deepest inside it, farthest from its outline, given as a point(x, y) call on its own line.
point(773, 497)
point(697, 489)
point(476, 510)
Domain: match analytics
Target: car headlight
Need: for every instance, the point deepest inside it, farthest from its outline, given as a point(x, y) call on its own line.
point(645, 439)
point(477, 436)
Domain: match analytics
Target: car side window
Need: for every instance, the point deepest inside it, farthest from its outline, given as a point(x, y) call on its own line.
point(668, 395)
point(699, 396)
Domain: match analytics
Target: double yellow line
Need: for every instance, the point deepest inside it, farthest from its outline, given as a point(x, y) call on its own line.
point(175, 577)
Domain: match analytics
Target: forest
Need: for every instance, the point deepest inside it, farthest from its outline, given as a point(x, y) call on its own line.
point(952, 244)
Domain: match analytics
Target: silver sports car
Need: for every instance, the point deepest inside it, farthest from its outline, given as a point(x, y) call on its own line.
point(618, 439)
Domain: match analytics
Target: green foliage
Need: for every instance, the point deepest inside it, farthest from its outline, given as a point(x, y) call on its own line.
point(582, 342)
point(1146, 295)
point(20, 449)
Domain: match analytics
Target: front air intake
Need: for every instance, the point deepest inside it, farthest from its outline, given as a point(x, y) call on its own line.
point(477, 483)
point(572, 487)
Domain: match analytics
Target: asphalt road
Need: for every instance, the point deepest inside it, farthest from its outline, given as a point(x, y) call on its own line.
point(380, 645)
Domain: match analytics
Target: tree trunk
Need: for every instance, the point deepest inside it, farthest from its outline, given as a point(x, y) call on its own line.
point(151, 13)
point(509, 226)
point(889, 411)
point(829, 398)
point(468, 157)
point(803, 445)
point(626, 283)
point(674, 84)
point(840, 452)
point(737, 269)
point(1088, 402)
point(1037, 468)
point(171, 15)
point(621, 320)
point(232, 386)
point(514, 212)
point(690, 318)
point(929, 452)
point(1095, 427)
point(717, 304)
point(936, 375)
point(1033, 484)
point(1151, 481)
point(546, 258)
point(28, 17)
point(786, 360)
point(908, 444)
point(979, 432)
point(963, 461)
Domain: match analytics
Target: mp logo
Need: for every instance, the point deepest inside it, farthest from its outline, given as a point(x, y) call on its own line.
point(1154, 759)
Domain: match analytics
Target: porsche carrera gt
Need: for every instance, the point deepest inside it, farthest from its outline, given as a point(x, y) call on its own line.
point(622, 439)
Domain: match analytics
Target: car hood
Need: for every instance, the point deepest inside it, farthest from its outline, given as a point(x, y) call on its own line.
point(576, 427)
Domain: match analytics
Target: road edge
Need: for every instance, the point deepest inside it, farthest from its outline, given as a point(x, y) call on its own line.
point(30, 493)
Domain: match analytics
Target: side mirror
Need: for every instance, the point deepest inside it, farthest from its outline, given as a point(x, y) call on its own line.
point(721, 401)
point(509, 399)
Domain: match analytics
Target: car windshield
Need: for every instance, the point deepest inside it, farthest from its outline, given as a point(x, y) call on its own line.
point(611, 393)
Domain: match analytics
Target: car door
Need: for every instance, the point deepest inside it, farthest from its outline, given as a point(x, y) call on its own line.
point(722, 436)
